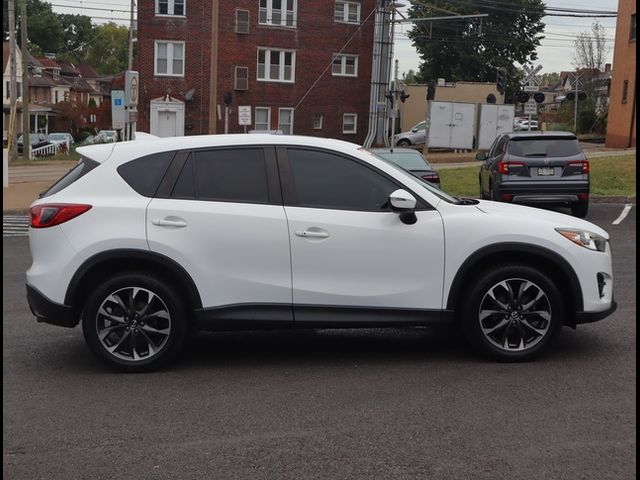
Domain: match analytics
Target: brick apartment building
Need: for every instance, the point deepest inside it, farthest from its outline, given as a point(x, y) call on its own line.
point(621, 124)
point(303, 66)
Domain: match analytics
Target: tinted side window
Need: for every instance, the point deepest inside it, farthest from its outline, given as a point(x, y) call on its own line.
point(145, 174)
point(83, 167)
point(325, 180)
point(232, 175)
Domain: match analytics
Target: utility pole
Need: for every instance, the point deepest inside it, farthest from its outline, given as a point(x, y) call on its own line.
point(131, 38)
point(394, 112)
point(26, 127)
point(576, 78)
point(13, 84)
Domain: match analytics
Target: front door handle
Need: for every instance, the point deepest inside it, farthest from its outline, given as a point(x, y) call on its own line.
point(312, 233)
point(169, 222)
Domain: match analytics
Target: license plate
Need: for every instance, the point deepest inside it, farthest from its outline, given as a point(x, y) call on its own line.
point(546, 171)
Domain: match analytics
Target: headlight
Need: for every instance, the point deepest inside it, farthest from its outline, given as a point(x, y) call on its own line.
point(585, 239)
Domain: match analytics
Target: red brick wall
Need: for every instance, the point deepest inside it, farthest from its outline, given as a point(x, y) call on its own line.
point(195, 31)
point(315, 39)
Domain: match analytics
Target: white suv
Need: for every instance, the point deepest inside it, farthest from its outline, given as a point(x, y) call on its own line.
point(143, 241)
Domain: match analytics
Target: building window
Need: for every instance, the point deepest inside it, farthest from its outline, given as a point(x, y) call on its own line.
point(625, 91)
point(282, 13)
point(56, 74)
point(317, 122)
point(263, 119)
point(170, 7)
point(345, 65)
point(276, 65)
point(56, 95)
point(633, 27)
point(242, 21)
point(169, 59)
point(241, 78)
point(349, 123)
point(285, 120)
point(347, 12)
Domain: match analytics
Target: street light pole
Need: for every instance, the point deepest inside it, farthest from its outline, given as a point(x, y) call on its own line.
point(26, 120)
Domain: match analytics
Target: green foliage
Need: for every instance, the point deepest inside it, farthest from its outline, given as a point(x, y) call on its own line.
point(109, 53)
point(470, 50)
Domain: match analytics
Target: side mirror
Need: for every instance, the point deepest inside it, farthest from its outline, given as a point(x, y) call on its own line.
point(404, 203)
point(414, 130)
point(482, 156)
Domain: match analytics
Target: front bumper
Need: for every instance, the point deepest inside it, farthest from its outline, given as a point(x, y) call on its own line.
point(590, 317)
point(51, 312)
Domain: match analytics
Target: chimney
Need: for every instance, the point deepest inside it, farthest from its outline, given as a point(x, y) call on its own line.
point(607, 67)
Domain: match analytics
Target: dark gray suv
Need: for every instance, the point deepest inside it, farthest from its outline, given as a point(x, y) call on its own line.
point(536, 168)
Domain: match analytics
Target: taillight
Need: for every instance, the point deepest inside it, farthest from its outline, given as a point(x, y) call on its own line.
point(583, 164)
point(51, 214)
point(506, 197)
point(431, 177)
point(504, 167)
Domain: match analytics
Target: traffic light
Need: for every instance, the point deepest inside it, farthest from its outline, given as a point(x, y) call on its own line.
point(523, 97)
point(404, 96)
point(571, 96)
point(538, 97)
point(389, 96)
point(227, 97)
point(431, 91)
point(501, 80)
point(582, 96)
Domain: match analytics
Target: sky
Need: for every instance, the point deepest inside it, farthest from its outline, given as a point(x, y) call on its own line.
point(554, 54)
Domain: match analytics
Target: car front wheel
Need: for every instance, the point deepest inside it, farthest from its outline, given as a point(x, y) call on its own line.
point(580, 209)
point(134, 322)
point(513, 312)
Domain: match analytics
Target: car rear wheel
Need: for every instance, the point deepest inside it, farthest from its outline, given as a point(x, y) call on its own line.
point(134, 322)
point(513, 312)
point(403, 142)
point(580, 209)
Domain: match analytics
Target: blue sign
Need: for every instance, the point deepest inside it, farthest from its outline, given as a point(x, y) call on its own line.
point(117, 102)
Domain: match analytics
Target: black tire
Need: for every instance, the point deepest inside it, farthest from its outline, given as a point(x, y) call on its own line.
point(153, 326)
point(580, 209)
point(512, 334)
point(403, 142)
point(493, 194)
point(483, 196)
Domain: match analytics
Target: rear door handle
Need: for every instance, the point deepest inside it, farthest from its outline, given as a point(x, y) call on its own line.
point(312, 233)
point(169, 222)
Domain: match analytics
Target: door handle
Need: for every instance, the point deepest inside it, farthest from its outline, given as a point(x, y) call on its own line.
point(312, 233)
point(169, 222)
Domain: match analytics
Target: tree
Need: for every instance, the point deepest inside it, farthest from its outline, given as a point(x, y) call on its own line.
point(78, 32)
point(108, 52)
point(591, 48)
point(410, 77)
point(550, 78)
point(472, 50)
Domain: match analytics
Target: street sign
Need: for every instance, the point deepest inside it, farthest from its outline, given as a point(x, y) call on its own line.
point(131, 88)
point(531, 107)
point(117, 109)
point(244, 115)
point(531, 88)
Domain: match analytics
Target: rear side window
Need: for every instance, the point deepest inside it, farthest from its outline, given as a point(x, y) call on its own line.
point(544, 147)
point(230, 175)
point(84, 166)
point(145, 174)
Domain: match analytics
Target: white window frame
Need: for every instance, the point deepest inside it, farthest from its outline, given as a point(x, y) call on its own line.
point(171, 9)
point(267, 65)
point(317, 126)
point(355, 123)
point(343, 65)
point(170, 44)
point(283, 13)
point(238, 10)
point(345, 12)
point(255, 123)
point(280, 110)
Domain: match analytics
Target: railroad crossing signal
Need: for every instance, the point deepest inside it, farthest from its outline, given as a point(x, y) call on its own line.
point(531, 77)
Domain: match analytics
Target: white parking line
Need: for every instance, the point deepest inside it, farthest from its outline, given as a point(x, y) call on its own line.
point(623, 215)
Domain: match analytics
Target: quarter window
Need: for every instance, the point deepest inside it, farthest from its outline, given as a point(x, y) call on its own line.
point(345, 65)
point(170, 7)
point(276, 65)
point(349, 123)
point(347, 12)
point(233, 175)
point(325, 180)
point(169, 59)
point(144, 174)
point(278, 12)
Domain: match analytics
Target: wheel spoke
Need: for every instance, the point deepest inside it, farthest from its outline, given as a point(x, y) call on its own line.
point(527, 306)
point(487, 313)
point(502, 306)
point(113, 348)
point(111, 316)
point(105, 333)
point(538, 331)
point(500, 324)
point(523, 288)
point(153, 348)
point(160, 331)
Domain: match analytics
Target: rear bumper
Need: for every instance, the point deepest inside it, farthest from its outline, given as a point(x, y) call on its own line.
point(48, 311)
point(544, 192)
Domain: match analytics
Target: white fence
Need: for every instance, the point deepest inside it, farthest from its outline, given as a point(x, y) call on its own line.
point(51, 149)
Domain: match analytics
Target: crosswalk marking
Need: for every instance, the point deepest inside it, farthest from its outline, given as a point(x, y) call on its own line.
point(15, 225)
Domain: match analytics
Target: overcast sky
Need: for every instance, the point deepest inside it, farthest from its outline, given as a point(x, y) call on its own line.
point(555, 53)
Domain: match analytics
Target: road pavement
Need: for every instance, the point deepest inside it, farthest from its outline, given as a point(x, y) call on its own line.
point(325, 404)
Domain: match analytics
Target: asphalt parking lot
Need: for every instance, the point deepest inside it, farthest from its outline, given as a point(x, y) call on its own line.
point(341, 404)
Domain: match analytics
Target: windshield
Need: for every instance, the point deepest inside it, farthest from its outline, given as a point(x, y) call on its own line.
point(544, 147)
point(408, 160)
point(436, 191)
